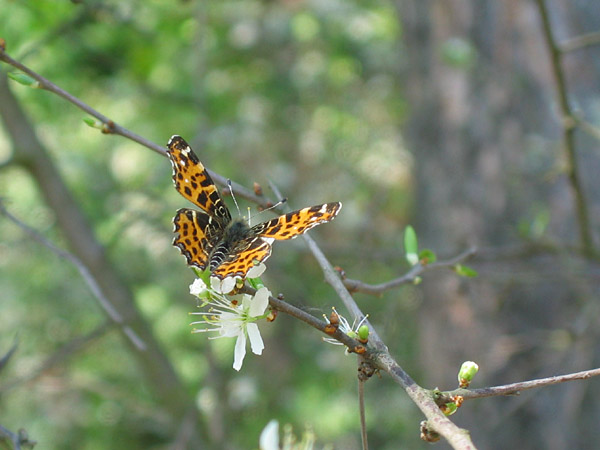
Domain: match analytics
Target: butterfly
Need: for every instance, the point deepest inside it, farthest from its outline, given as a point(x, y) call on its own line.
point(210, 238)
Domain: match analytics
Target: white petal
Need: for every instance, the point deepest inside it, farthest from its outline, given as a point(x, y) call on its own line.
point(231, 325)
point(215, 284)
point(259, 302)
point(256, 271)
point(269, 438)
point(198, 287)
point(256, 342)
point(246, 302)
point(227, 285)
point(239, 352)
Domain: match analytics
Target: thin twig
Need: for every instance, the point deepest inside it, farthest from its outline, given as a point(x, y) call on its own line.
point(516, 388)
point(18, 439)
point(590, 129)
point(287, 308)
point(111, 127)
point(568, 128)
point(104, 302)
point(579, 42)
point(407, 278)
point(6, 358)
point(61, 355)
point(361, 409)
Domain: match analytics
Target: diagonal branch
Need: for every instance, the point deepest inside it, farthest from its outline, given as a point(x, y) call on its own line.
point(18, 439)
point(111, 127)
point(382, 360)
point(95, 288)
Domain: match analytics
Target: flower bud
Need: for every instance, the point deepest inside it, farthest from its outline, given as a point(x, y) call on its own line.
point(466, 373)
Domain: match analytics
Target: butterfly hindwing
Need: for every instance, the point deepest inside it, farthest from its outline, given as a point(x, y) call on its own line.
point(246, 254)
point(197, 234)
point(193, 181)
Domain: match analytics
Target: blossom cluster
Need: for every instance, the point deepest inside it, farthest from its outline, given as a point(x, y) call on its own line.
point(232, 316)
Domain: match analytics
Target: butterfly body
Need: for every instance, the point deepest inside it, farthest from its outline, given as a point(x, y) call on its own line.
point(210, 238)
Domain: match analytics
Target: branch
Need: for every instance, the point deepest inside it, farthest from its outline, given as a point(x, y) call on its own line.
point(285, 307)
point(378, 355)
point(6, 358)
point(18, 439)
point(579, 42)
point(568, 128)
point(590, 129)
point(61, 355)
point(407, 278)
point(111, 127)
point(516, 388)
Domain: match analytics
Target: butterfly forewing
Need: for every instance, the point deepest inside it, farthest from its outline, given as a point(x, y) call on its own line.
point(295, 223)
point(193, 181)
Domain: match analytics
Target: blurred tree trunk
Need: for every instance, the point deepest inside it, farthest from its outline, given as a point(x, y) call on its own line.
point(486, 140)
point(155, 368)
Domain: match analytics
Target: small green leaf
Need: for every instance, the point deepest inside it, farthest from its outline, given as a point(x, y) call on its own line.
point(23, 79)
point(256, 283)
point(450, 408)
point(411, 245)
point(427, 256)
point(459, 53)
point(465, 271)
point(94, 123)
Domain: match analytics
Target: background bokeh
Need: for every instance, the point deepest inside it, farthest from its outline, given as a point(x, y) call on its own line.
point(442, 115)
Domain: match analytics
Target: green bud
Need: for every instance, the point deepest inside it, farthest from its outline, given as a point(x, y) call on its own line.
point(466, 373)
point(352, 334)
point(23, 79)
point(363, 333)
point(94, 123)
point(465, 271)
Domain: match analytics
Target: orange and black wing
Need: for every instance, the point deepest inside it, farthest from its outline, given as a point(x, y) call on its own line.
point(193, 181)
point(295, 223)
point(197, 234)
point(246, 254)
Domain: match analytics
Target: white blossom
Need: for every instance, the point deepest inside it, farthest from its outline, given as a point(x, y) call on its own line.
point(237, 319)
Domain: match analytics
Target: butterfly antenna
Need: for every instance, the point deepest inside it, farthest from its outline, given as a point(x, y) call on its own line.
point(233, 197)
point(279, 203)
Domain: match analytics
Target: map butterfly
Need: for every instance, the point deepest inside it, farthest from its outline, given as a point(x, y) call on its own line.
point(210, 238)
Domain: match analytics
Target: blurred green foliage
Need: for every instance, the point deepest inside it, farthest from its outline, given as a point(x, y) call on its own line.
point(303, 94)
